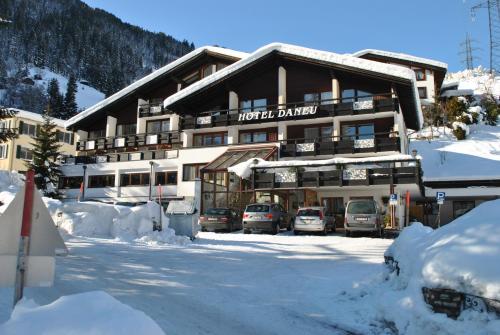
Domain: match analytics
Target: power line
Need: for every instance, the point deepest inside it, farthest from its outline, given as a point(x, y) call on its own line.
point(493, 7)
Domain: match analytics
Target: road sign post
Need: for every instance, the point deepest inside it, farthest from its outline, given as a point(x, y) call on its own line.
point(440, 196)
point(393, 201)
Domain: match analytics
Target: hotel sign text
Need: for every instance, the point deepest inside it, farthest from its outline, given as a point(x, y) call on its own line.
point(277, 114)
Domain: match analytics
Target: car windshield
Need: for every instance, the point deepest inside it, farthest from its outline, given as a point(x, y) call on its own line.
point(257, 208)
point(308, 212)
point(361, 207)
point(217, 211)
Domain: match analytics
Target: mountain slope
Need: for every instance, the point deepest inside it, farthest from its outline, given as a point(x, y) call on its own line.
point(69, 37)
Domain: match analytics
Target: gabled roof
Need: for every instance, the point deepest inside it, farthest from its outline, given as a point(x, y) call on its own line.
point(34, 116)
point(402, 56)
point(346, 61)
point(161, 71)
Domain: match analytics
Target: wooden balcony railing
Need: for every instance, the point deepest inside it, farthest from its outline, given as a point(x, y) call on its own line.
point(340, 175)
point(324, 108)
point(377, 142)
point(129, 141)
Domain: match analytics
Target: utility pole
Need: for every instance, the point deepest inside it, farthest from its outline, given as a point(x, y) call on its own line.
point(493, 7)
point(468, 52)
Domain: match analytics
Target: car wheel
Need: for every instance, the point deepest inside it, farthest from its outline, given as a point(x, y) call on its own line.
point(347, 233)
point(296, 232)
point(230, 228)
point(276, 228)
point(290, 225)
point(325, 231)
point(247, 231)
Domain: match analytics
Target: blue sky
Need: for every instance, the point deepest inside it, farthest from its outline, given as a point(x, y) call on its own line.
point(427, 28)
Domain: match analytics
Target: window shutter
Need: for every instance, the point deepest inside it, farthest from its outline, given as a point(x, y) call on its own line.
point(72, 138)
point(58, 136)
point(21, 127)
point(37, 131)
point(6, 152)
point(18, 151)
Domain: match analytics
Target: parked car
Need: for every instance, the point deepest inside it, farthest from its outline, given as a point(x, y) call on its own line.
point(216, 219)
point(266, 217)
point(363, 216)
point(313, 219)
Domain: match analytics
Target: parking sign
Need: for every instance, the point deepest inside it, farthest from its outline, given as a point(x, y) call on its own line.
point(393, 200)
point(440, 196)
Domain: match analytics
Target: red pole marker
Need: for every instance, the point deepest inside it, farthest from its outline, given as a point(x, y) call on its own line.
point(28, 204)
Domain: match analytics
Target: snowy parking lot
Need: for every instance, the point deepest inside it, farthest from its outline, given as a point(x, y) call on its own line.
point(224, 283)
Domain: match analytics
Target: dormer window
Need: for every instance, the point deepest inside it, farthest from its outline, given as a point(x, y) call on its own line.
point(208, 70)
point(193, 77)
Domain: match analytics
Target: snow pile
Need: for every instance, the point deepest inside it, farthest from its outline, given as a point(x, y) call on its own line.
point(445, 158)
point(461, 125)
point(479, 80)
point(86, 313)
point(10, 183)
point(95, 219)
point(463, 255)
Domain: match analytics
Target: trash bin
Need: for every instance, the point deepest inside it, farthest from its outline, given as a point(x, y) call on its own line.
point(183, 218)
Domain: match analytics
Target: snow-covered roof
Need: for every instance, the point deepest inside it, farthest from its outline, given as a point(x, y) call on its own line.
point(243, 169)
point(313, 54)
point(151, 76)
point(401, 56)
point(35, 116)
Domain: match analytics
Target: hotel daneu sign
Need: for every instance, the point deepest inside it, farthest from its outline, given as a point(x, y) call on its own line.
point(277, 115)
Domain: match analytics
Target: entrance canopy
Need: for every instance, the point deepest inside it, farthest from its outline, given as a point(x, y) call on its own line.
point(235, 156)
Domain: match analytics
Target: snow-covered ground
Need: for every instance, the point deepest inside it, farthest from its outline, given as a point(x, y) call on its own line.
point(224, 283)
point(478, 79)
point(443, 157)
point(86, 96)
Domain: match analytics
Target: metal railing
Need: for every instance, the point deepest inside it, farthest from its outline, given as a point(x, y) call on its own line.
point(129, 141)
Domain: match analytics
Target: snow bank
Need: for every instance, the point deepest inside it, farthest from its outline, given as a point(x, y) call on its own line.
point(10, 183)
point(95, 219)
point(445, 158)
point(86, 313)
point(479, 80)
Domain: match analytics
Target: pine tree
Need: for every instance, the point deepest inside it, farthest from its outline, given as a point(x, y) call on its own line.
point(45, 151)
point(70, 106)
point(55, 99)
point(6, 133)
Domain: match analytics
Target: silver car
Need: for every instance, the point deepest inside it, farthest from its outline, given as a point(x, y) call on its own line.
point(363, 216)
point(313, 219)
point(265, 217)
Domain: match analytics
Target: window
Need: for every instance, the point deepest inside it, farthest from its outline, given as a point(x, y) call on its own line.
point(358, 131)
point(4, 148)
point(102, 181)
point(70, 182)
point(258, 136)
point(188, 80)
point(210, 139)
point(422, 92)
point(325, 133)
point(64, 137)
point(93, 134)
point(166, 178)
point(351, 95)
point(126, 129)
point(420, 74)
point(134, 179)
point(27, 129)
point(191, 171)
point(324, 98)
point(4, 125)
point(220, 66)
point(462, 207)
point(158, 126)
point(208, 70)
point(334, 205)
point(255, 105)
point(24, 153)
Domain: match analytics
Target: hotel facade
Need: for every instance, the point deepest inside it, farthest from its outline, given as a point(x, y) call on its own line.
point(287, 124)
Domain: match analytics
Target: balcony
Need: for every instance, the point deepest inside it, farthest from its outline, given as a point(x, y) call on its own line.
point(380, 142)
point(153, 109)
point(337, 175)
point(120, 157)
point(324, 108)
point(129, 141)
